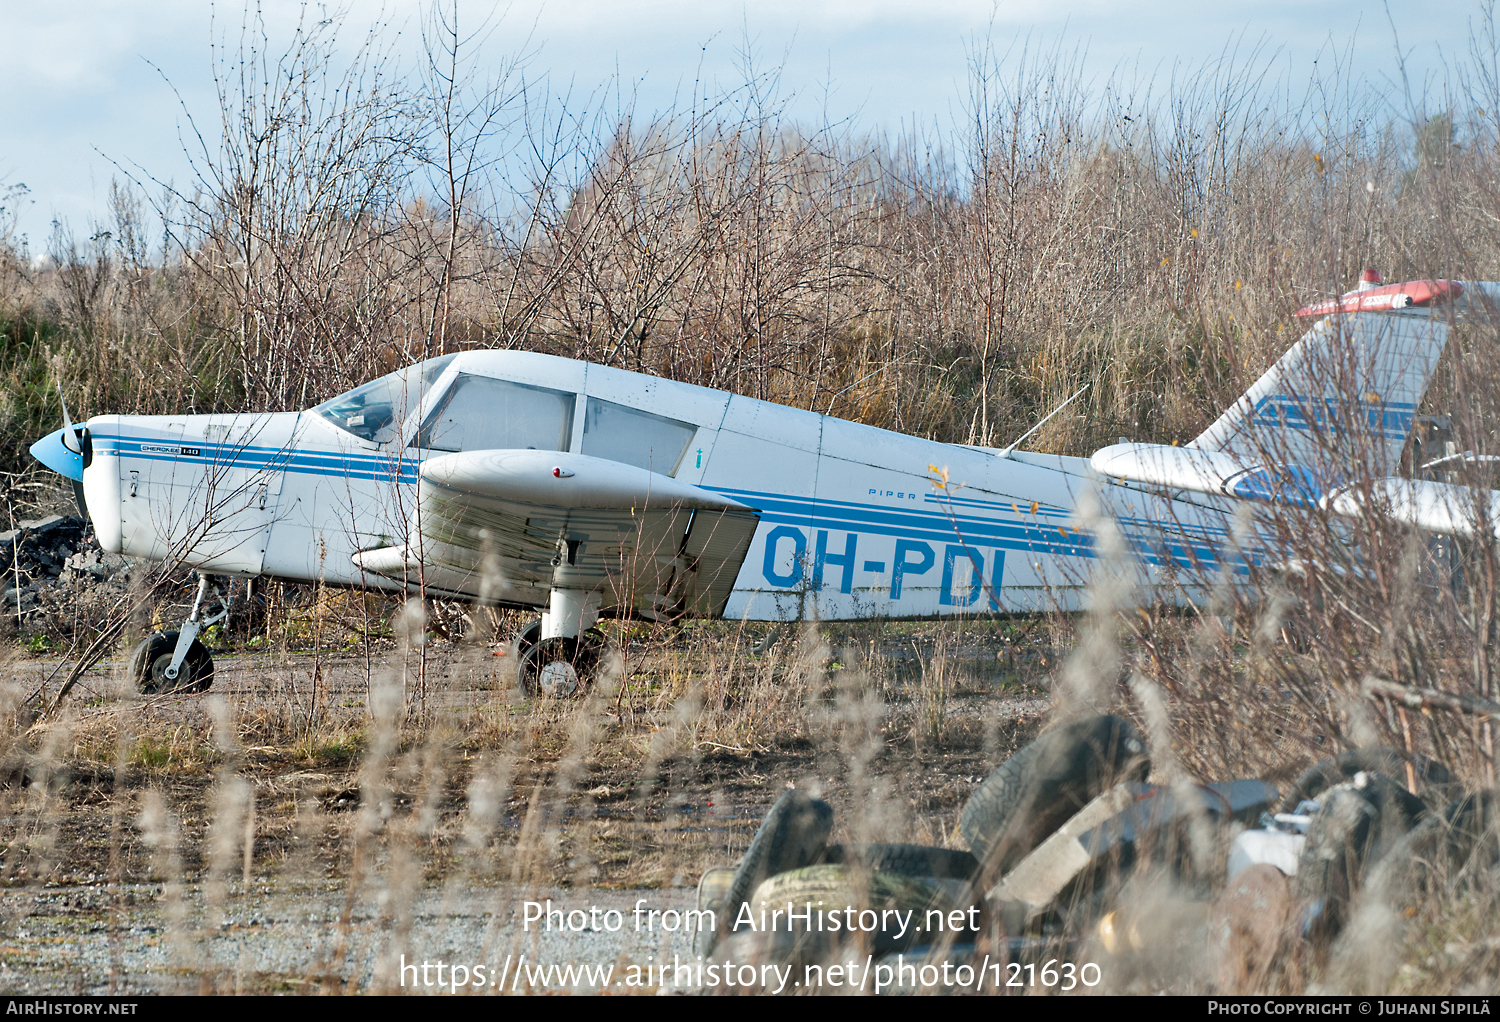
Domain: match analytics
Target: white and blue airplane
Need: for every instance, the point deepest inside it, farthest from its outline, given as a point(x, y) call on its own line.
point(530, 481)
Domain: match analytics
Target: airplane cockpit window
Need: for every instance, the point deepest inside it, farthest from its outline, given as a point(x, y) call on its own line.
point(635, 437)
point(480, 413)
point(376, 410)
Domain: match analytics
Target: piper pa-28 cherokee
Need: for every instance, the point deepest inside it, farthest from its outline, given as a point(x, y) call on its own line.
point(526, 480)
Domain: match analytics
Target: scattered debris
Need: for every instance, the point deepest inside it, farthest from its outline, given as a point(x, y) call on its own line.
point(47, 566)
point(1035, 886)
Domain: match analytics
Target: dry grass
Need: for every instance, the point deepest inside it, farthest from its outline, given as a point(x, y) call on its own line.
point(636, 785)
point(1151, 242)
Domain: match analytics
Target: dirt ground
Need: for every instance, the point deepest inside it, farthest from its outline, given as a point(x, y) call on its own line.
point(147, 849)
point(302, 938)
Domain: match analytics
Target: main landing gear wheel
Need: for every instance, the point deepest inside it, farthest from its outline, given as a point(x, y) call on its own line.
point(560, 667)
point(528, 638)
point(153, 655)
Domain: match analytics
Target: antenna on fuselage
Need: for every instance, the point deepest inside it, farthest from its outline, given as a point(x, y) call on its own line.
point(1005, 452)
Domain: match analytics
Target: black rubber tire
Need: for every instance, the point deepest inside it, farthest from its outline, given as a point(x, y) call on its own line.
point(581, 656)
point(1360, 822)
point(793, 834)
point(1458, 845)
point(1431, 775)
point(906, 860)
point(1038, 789)
point(153, 653)
point(528, 637)
point(833, 889)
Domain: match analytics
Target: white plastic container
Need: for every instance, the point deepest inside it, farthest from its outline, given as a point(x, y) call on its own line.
point(1276, 847)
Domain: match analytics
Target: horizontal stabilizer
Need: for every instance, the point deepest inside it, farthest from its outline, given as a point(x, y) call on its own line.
point(1435, 507)
point(1178, 468)
point(1188, 468)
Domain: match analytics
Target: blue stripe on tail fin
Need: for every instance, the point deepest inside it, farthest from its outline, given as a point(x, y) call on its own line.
point(1341, 401)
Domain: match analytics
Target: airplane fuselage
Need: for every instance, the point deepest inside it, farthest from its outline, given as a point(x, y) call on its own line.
point(854, 521)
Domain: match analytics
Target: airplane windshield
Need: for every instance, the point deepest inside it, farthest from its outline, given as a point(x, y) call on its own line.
point(634, 437)
point(376, 410)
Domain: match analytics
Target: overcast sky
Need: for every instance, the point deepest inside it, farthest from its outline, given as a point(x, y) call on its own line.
point(83, 80)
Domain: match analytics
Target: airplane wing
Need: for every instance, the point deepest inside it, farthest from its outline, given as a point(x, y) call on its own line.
point(522, 522)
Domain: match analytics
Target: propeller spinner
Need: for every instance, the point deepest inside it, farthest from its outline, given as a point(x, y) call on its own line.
point(67, 451)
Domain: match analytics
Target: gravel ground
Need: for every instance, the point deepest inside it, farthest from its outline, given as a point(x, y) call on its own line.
point(142, 939)
point(306, 934)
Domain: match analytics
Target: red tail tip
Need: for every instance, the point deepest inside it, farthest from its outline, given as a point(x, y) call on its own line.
point(1370, 276)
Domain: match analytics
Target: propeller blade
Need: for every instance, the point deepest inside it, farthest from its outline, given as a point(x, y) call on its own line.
point(69, 438)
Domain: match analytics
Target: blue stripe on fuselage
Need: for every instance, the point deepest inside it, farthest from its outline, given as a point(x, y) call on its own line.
point(1147, 539)
point(1183, 545)
point(279, 459)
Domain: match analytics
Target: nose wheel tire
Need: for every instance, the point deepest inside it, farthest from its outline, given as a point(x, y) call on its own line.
point(153, 655)
point(559, 667)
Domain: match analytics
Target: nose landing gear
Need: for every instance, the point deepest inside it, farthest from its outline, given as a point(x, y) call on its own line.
point(152, 657)
point(177, 661)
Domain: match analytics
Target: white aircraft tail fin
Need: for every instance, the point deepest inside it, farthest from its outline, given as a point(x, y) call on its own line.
point(1341, 400)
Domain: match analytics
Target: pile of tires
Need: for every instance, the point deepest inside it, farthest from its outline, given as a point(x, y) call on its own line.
point(773, 905)
point(877, 896)
point(1037, 790)
point(1367, 839)
point(918, 896)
